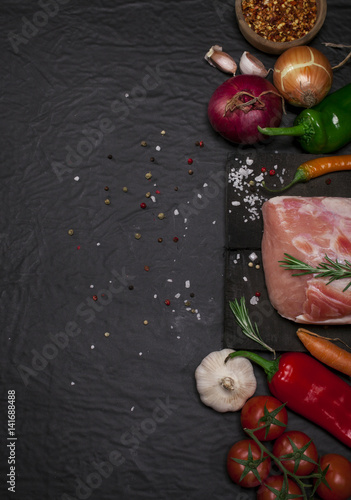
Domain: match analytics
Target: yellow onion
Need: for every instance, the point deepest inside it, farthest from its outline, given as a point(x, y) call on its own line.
point(303, 76)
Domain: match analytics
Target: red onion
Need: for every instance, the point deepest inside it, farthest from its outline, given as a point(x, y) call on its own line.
point(242, 103)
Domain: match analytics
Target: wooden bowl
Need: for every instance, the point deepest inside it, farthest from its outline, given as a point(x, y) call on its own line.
point(270, 47)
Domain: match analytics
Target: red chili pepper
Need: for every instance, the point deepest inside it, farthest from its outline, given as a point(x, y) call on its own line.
point(309, 389)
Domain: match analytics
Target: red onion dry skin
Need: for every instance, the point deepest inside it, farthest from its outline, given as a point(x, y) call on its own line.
point(242, 103)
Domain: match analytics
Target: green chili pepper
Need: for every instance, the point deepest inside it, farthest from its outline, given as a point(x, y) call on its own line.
point(324, 128)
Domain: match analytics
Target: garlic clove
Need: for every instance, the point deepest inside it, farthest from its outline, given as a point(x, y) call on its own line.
point(221, 60)
point(250, 65)
point(225, 386)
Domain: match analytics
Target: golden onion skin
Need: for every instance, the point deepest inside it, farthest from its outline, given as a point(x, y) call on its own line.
point(303, 76)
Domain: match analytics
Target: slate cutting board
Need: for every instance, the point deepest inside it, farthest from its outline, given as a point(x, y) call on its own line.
point(244, 228)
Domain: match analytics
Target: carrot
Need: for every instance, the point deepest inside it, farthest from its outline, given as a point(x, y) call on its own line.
point(325, 351)
point(315, 168)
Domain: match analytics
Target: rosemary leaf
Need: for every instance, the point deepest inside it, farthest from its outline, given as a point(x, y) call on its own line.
point(242, 318)
point(331, 269)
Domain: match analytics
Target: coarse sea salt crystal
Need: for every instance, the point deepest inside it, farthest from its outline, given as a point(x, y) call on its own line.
point(153, 198)
point(176, 212)
point(244, 278)
point(170, 280)
point(252, 256)
point(249, 161)
point(177, 295)
point(235, 203)
point(158, 148)
point(76, 178)
point(254, 300)
point(187, 284)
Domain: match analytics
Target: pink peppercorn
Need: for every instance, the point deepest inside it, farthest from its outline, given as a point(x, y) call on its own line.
point(167, 302)
point(190, 161)
point(272, 172)
point(142, 205)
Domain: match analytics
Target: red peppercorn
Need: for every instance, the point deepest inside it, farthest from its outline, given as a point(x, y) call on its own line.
point(95, 297)
point(142, 205)
point(167, 302)
point(78, 247)
point(263, 169)
point(258, 294)
point(272, 172)
point(201, 144)
point(190, 161)
point(328, 181)
point(175, 239)
point(157, 191)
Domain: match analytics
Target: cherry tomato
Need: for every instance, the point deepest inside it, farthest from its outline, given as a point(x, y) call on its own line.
point(249, 451)
point(338, 477)
point(277, 482)
point(255, 413)
point(294, 445)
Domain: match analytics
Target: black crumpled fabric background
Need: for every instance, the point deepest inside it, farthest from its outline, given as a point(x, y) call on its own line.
point(82, 85)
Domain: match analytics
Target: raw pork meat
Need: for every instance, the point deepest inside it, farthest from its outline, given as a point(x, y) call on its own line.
point(308, 229)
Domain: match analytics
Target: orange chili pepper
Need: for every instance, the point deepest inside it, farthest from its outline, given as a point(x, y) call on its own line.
point(315, 168)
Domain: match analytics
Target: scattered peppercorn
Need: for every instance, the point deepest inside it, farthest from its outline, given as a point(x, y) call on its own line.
point(187, 303)
point(157, 191)
point(190, 161)
point(192, 294)
point(272, 171)
point(145, 322)
point(160, 240)
point(107, 201)
point(257, 266)
point(95, 297)
point(152, 158)
point(125, 189)
point(70, 232)
point(131, 287)
point(176, 188)
point(258, 294)
point(143, 205)
point(201, 144)
point(190, 172)
point(163, 132)
point(143, 143)
point(161, 216)
point(146, 268)
point(263, 169)
point(106, 334)
point(148, 194)
point(109, 157)
point(167, 302)
point(250, 264)
point(328, 181)
point(137, 236)
point(106, 188)
point(148, 175)
point(175, 239)
point(197, 143)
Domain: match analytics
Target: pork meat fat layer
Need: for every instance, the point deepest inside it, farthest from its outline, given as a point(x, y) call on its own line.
point(308, 229)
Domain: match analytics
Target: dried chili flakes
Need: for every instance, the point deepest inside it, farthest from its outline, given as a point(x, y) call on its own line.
point(280, 21)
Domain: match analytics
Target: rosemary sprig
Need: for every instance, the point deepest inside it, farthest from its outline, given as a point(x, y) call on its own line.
point(242, 318)
point(331, 269)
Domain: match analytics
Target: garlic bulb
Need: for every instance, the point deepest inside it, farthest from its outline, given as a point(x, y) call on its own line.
point(221, 60)
point(225, 386)
point(250, 65)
